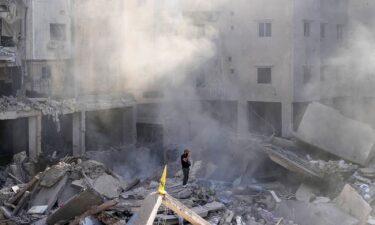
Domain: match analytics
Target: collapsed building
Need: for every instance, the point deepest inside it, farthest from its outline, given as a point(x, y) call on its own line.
point(77, 133)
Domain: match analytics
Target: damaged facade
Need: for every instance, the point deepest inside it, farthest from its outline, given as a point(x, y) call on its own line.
point(80, 148)
point(39, 65)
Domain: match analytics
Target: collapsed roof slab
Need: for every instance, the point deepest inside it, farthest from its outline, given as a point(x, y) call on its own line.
point(327, 129)
point(30, 107)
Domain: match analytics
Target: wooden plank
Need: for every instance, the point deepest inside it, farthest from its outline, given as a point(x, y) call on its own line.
point(183, 211)
point(94, 210)
point(22, 203)
point(26, 188)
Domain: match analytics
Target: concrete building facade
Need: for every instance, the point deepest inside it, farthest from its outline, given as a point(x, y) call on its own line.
point(38, 63)
point(281, 56)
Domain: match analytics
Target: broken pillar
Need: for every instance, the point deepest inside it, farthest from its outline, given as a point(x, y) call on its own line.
point(326, 129)
point(35, 136)
point(242, 117)
point(79, 133)
point(286, 119)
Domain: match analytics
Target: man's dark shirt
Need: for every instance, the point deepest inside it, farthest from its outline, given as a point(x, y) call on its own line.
point(183, 163)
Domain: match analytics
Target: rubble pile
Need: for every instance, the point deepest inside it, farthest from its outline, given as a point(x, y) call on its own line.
point(61, 192)
point(76, 191)
point(45, 105)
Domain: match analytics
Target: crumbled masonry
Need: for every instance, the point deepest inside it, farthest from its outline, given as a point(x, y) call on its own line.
point(78, 190)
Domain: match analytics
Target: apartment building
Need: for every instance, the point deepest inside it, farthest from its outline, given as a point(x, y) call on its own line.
point(11, 46)
point(278, 56)
point(56, 110)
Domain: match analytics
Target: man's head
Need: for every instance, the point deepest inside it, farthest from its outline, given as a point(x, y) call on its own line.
point(187, 151)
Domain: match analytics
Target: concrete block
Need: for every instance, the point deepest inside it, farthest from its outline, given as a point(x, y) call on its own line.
point(305, 193)
point(314, 214)
point(75, 207)
point(108, 186)
point(351, 202)
point(327, 129)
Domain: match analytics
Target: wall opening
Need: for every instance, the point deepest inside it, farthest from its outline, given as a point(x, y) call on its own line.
point(57, 136)
point(149, 134)
point(265, 118)
point(104, 128)
point(13, 138)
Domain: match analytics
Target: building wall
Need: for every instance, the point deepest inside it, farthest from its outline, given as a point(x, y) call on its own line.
point(50, 78)
point(97, 46)
point(306, 49)
point(48, 30)
point(333, 13)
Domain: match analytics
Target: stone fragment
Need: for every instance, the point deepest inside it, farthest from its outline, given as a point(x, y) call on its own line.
point(305, 193)
point(351, 202)
point(108, 186)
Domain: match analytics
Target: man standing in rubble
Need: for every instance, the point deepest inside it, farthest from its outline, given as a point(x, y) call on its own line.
point(185, 162)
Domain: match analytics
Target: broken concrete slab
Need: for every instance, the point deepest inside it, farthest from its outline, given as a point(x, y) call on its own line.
point(108, 186)
point(214, 206)
point(93, 169)
point(48, 196)
point(68, 192)
point(38, 209)
point(79, 184)
point(327, 129)
point(184, 194)
point(351, 202)
point(314, 214)
point(75, 206)
point(292, 162)
point(53, 175)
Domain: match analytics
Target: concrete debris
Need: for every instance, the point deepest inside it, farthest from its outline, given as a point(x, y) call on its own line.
point(80, 191)
point(108, 186)
point(38, 209)
point(327, 129)
point(46, 106)
point(93, 169)
point(314, 214)
point(321, 199)
point(90, 220)
point(306, 193)
point(367, 172)
point(351, 202)
point(53, 175)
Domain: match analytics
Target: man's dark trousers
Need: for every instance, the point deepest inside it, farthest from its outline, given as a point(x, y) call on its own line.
point(186, 175)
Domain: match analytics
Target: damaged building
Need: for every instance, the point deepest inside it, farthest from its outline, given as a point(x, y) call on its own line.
point(274, 99)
